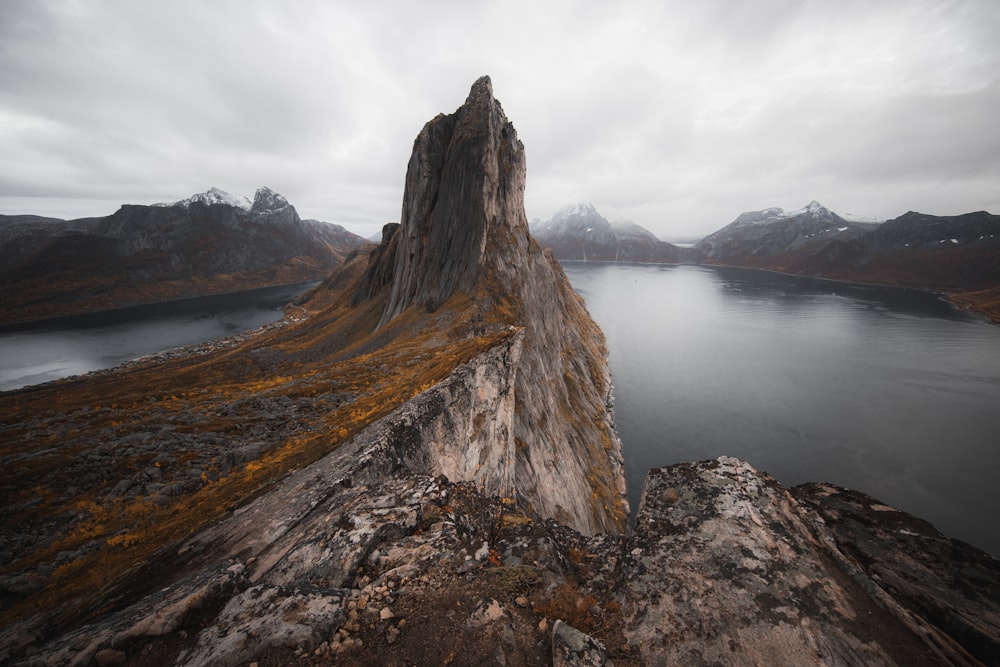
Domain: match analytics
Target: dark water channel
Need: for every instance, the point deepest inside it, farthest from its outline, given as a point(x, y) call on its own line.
point(41, 351)
point(888, 391)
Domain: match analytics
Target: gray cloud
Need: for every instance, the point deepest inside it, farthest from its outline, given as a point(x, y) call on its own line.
point(677, 115)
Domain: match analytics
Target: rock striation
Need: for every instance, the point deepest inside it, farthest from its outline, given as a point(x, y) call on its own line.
point(464, 231)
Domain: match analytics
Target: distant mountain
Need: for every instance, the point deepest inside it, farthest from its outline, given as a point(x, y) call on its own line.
point(209, 243)
point(579, 232)
point(959, 254)
point(776, 239)
point(215, 196)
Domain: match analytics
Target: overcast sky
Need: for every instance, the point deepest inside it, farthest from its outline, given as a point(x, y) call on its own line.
point(677, 115)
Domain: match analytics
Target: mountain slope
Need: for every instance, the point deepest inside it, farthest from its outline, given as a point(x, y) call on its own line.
point(472, 359)
point(959, 255)
point(207, 244)
point(464, 231)
point(579, 232)
point(776, 239)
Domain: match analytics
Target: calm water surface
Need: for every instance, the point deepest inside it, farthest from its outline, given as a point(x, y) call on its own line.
point(50, 349)
point(891, 392)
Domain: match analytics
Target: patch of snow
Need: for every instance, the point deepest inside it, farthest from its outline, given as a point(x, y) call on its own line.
point(841, 229)
point(213, 196)
point(575, 210)
point(854, 217)
point(954, 240)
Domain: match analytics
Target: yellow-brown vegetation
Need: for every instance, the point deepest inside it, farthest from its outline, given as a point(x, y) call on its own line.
point(349, 373)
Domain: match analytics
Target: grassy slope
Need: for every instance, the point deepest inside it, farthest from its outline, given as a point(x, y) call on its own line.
point(337, 374)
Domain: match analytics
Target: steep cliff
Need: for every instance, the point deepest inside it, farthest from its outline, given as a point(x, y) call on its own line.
point(456, 347)
point(463, 231)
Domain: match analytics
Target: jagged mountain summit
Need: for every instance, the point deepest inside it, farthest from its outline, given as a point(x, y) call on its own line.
point(579, 232)
point(209, 243)
point(464, 232)
point(213, 196)
point(772, 235)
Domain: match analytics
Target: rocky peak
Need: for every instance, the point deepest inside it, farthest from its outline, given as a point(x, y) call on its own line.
point(266, 200)
point(580, 210)
point(464, 169)
point(463, 231)
point(213, 196)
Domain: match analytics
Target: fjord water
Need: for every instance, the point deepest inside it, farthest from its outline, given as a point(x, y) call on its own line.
point(37, 352)
point(887, 391)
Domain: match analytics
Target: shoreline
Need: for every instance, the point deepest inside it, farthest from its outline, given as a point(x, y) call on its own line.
point(950, 297)
point(170, 354)
point(12, 327)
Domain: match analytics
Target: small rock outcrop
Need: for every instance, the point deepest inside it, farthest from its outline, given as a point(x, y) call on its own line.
point(725, 567)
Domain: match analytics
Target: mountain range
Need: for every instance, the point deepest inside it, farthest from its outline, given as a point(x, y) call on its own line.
point(955, 255)
point(209, 243)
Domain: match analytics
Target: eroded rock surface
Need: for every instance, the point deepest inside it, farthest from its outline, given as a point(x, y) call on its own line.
point(949, 583)
point(725, 567)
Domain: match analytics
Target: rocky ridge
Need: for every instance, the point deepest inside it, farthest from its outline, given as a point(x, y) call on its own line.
point(389, 480)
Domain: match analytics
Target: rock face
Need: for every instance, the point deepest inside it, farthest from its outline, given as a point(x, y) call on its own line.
point(464, 231)
point(579, 232)
point(206, 244)
point(724, 567)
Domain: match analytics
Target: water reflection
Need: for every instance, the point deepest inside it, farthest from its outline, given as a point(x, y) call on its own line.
point(889, 391)
point(37, 352)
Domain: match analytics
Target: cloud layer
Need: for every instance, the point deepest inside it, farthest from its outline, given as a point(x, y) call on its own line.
point(676, 115)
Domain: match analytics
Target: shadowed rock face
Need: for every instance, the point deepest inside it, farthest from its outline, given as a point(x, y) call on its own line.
point(464, 182)
point(464, 231)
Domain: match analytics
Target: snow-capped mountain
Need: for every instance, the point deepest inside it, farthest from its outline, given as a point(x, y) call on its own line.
point(579, 232)
point(208, 243)
point(756, 237)
point(266, 200)
point(213, 196)
point(946, 253)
